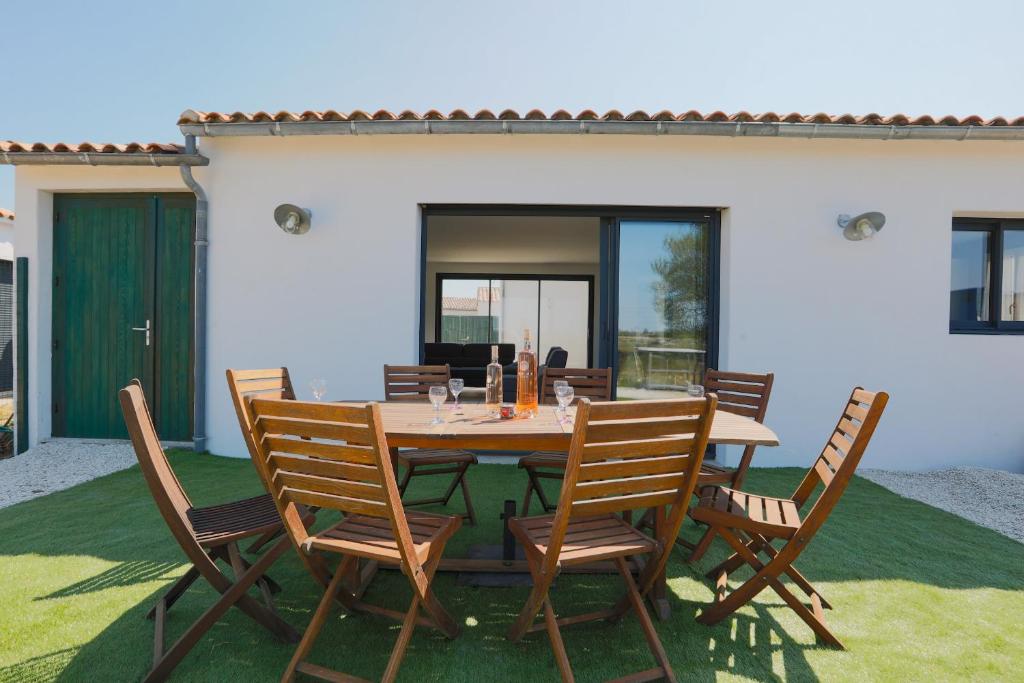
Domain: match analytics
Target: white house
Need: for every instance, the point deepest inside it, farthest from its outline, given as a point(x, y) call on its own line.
point(663, 244)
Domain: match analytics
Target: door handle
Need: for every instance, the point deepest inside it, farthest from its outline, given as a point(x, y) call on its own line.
point(145, 329)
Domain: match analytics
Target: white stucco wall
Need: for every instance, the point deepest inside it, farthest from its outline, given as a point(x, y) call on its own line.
point(823, 313)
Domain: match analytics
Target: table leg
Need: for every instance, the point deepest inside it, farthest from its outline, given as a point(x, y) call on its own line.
point(659, 592)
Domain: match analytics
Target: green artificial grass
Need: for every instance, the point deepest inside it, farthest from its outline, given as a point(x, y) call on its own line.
point(919, 594)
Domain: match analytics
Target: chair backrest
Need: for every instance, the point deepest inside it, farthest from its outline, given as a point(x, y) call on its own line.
point(742, 393)
point(633, 454)
point(266, 383)
point(592, 383)
point(329, 455)
point(167, 492)
point(413, 382)
point(557, 357)
point(838, 460)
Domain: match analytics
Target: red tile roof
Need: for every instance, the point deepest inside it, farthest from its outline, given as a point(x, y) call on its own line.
point(199, 117)
point(90, 148)
point(6, 215)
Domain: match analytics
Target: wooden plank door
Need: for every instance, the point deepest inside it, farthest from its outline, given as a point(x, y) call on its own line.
point(118, 262)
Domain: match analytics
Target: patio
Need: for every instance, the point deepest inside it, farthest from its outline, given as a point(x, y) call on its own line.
point(921, 595)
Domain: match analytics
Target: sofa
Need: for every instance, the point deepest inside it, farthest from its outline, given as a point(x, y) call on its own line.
point(467, 361)
point(557, 358)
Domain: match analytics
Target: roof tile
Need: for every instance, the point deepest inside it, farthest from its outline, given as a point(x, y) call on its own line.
point(191, 116)
point(6, 215)
point(13, 146)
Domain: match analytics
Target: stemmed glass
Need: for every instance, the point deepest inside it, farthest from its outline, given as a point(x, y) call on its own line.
point(456, 384)
point(695, 390)
point(319, 387)
point(564, 394)
point(438, 394)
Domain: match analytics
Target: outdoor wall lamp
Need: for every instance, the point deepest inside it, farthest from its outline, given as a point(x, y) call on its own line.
point(292, 219)
point(861, 226)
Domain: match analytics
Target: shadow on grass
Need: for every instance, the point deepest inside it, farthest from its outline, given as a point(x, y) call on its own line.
point(873, 535)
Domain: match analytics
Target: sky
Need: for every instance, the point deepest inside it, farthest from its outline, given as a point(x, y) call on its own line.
point(109, 71)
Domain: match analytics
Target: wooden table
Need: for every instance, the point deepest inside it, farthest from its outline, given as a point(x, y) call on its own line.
point(408, 425)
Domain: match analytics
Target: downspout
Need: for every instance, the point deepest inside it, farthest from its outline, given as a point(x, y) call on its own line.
point(199, 308)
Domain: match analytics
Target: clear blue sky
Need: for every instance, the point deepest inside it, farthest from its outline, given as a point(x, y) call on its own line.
point(121, 71)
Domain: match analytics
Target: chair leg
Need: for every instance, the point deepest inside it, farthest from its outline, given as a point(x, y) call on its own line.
point(317, 622)
point(637, 602)
point(470, 512)
point(555, 636)
point(525, 509)
point(234, 595)
point(533, 604)
point(264, 539)
point(175, 591)
point(766, 575)
point(239, 566)
point(404, 484)
point(702, 545)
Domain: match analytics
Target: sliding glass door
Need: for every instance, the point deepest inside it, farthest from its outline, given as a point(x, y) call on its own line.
point(557, 310)
point(663, 306)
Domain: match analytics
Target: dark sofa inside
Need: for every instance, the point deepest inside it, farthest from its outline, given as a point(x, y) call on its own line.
point(467, 361)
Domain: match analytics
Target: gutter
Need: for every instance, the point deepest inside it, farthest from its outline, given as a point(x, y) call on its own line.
point(102, 159)
point(199, 307)
point(733, 129)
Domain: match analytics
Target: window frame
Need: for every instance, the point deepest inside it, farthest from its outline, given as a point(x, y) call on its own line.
point(995, 228)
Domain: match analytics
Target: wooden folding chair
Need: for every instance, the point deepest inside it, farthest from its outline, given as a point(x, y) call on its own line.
point(205, 535)
point(412, 383)
point(592, 383)
point(623, 456)
point(332, 456)
point(264, 383)
point(749, 523)
point(744, 394)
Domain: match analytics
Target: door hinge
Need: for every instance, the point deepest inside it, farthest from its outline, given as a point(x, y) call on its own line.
point(56, 216)
point(56, 408)
point(56, 280)
point(56, 344)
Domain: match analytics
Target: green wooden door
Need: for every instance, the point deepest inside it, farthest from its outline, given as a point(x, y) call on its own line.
point(122, 308)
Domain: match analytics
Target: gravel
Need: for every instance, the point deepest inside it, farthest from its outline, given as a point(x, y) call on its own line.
point(991, 498)
point(59, 464)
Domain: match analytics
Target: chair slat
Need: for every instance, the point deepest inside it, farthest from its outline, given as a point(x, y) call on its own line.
point(611, 432)
point(824, 473)
point(745, 411)
point(316, 430)
point(350, 505)
point(412, 382)
point(329, 468)
point(849, 428)
point(602, 506)
point(244, 375)
point(862, 396)
point(639, 410)
point(742, 399)
point(628, 485)
point(363, 455)
point(645, 448)
point(718, 386)
point(302, 410)
point(330, 485)
point(856, 412)
point(594, 471)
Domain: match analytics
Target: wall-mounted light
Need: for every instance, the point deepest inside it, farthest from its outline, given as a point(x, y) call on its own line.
point(292, 219)
point(861, 226)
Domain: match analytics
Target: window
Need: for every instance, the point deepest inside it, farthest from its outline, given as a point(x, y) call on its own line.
point(986, 290)
point(493, 309)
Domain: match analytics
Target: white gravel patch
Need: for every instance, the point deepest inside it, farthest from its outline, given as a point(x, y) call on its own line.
point(991, 498)
point(60, 464)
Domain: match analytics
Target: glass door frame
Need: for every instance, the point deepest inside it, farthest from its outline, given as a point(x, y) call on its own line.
point(611, 217)
point(539, 279)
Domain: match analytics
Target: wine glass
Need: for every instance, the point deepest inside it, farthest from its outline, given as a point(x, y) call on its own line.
point(319, 387)
point(559, 383)
point(695, 390)
point(564, 395)
point(438, 394)
point(456, 384)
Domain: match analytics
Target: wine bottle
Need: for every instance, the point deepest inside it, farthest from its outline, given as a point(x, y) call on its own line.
point(493, 391)
point(526, 379)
